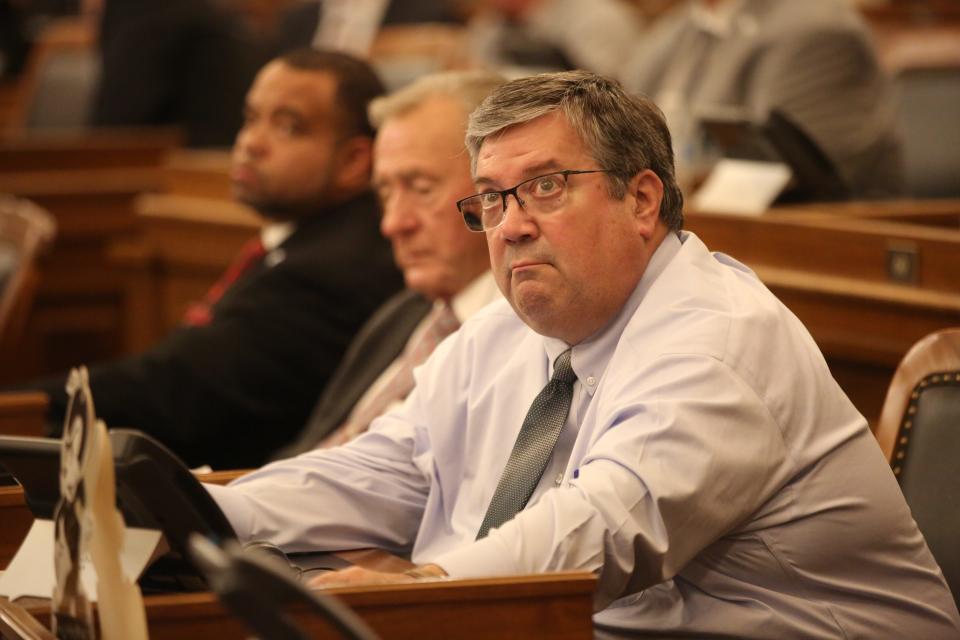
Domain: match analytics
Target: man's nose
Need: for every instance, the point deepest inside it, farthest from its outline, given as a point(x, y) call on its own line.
point(251, 140)
point(398, 215)
point(518, 225)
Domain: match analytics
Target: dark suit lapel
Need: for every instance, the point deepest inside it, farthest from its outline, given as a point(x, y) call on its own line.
point(374, 348)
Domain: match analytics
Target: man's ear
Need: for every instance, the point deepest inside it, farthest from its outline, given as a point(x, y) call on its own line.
point(646, 191)
point(354, 161)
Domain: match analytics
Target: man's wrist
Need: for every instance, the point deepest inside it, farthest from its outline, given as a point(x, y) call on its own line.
point(426, 571)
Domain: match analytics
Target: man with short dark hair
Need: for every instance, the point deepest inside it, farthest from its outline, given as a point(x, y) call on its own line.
point(638, 407)
point(239, 378)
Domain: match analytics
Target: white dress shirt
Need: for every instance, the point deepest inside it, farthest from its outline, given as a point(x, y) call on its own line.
point(712, 473)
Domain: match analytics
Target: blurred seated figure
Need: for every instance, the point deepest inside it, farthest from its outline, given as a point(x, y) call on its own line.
point(177, 62)
point(14, 45)
point(351, 25)
point(527, 36)
point(814, 61)
point(57, 86)
point(420, 169)
point(421, 37)
point(238, 379)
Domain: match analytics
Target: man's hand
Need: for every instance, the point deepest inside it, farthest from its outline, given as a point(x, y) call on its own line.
point(360, 576)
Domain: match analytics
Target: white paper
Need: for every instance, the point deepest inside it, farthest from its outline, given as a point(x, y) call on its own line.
point(30, 573)
point(741, 186)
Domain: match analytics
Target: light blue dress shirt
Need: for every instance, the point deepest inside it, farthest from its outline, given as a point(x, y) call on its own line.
point(711, 471)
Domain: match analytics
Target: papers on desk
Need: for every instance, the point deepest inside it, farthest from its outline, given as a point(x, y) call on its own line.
point(741, 186)
point(31, 572)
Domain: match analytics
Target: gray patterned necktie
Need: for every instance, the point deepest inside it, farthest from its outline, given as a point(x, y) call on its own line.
point(533, 447)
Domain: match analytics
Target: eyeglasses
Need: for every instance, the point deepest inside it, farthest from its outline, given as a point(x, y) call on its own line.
point(542, 194)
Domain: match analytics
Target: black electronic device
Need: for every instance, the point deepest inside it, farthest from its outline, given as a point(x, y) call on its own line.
point(778, 139)
point(155, 490)
point(35, 464)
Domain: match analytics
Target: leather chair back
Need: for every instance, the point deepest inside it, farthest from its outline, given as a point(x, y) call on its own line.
point(919, 431)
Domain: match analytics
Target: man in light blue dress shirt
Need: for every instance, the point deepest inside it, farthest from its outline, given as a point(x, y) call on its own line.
point(710, 471)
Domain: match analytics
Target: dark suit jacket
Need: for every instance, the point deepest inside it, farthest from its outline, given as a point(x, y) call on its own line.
point(376, 346)
point(230, 393)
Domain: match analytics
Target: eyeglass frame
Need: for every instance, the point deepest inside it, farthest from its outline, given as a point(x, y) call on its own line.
point(513, 191)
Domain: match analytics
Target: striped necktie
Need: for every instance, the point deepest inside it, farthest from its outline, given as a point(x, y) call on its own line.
point(533, 448)
point(436, 326)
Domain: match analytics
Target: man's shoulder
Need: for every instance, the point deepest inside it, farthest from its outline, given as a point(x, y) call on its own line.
point(497, 315)
point(785, 18)
point(492, 331)
point(705, 303)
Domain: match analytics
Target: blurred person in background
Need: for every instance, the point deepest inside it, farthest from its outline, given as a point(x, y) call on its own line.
point(238, 378)
point(812, 61)
point(420, 168)
point(185, 63)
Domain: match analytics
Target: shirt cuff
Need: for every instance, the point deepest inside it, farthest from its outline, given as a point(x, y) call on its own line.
point(483, 558)
point(235, 506)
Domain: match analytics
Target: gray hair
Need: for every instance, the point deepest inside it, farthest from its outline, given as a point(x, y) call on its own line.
point(470, 87)
point(624, 133)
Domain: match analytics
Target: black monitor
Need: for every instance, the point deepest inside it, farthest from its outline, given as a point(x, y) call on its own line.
point(155, 490)
point(35, 464)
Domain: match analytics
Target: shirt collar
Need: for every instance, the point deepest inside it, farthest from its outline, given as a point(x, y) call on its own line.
point(274, 234)
point(590, 358)
point(720, 20)
point(476, 295)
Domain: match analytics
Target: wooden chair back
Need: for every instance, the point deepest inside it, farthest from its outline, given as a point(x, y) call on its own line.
point(25, 231)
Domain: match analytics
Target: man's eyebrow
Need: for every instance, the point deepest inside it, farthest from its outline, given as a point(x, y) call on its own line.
point(405, 176)
point(531, 171)
point(289, 112)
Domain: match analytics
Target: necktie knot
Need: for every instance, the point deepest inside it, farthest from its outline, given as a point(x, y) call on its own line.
point(562, 369)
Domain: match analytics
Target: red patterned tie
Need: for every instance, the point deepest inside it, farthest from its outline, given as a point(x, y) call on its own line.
point(438, 324)
point(200, 313)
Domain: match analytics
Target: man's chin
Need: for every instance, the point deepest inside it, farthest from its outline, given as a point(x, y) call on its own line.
point(273, 210)
point(425, 282)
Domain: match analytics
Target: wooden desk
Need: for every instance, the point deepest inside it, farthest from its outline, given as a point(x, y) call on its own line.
point(109, 148)
point(556, 606)
point(834, 272)
point(22, 413)
point(941, 213)
point(201, 173)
